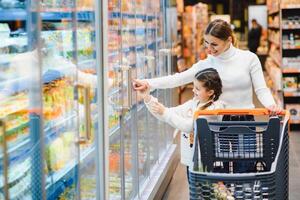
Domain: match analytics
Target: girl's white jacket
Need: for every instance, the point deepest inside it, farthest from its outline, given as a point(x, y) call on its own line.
point(181, 117)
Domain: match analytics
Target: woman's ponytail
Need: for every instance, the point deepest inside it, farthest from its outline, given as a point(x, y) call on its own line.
point(235, 41)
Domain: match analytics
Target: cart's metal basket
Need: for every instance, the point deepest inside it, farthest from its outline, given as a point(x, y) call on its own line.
point(263, 142)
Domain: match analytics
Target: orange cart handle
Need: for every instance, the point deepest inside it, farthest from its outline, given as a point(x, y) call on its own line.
point(256, 111)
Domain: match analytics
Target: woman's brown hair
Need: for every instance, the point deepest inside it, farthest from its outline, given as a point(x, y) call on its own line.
point(220, 29)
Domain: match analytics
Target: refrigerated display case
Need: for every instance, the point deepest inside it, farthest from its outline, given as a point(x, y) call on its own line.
point(135, 38)
point(49, 104)
point(71, 126)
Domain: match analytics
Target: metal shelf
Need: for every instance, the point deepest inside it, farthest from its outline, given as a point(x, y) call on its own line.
point(290, 70)
point(151, 44)
point(14, 177)
point(14, 129)
point(141, 107)
point(130, 15)
point(50, 130)
point(290, 7)
point(87, 64)
point(291, 94)
point(114, 91)
point(137, 30)
point(55, 127)
point(291, 48)
point(49, 15)
point(291, 28)
point(131, 48)
point(294, 121)
point(57, 176)
point(17, 146)
point(13, 14)
point(114, 130)
point(140, 47)
point(113, 52)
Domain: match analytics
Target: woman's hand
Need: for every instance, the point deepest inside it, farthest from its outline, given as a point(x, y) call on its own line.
point(139, 85)
point(275, 109)
point(158, 108)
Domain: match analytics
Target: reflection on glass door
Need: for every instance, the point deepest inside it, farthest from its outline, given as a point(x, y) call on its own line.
point(21, 157)
point(141, 111)
point(151, 72)
point(170, 34)
point(87, 97)
point(114, 87)
point(128, 122)
point(69, 98)
point(61, 100)
point(161, 66)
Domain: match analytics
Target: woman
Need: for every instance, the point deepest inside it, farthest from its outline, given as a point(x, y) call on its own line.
point(238, 69)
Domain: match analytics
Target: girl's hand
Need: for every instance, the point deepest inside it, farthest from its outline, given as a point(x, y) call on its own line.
point(275, 109)
point(144, 93)
point(158, 108)
point(139, 85)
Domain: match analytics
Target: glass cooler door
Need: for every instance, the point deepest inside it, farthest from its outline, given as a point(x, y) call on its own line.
point(89, 127)
point(113, 87)
point(63, 99)
point(128, 118)
point(70, 103)
point(143, 156)
point(153, 130)
point(21, 158)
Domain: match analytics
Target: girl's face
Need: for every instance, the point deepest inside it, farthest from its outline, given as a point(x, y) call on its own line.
point(201, 93)
point(216, 46)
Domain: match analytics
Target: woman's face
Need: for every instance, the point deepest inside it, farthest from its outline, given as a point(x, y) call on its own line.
point(216, 46)
point(201, 93)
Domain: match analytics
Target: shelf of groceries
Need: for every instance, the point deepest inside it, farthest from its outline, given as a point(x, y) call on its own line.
point(53, 14)
point(49, 14)
point(283, 64)
point(59, 119)
point(59, 160)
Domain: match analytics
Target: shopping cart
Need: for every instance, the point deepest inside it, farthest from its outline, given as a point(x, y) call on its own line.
point(265, 143)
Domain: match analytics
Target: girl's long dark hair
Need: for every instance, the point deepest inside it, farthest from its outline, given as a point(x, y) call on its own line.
point(211, 81)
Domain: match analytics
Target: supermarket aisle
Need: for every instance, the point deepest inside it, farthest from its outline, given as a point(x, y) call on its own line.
point(178, 188)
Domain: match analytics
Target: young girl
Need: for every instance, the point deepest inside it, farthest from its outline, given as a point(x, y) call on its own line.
point(207, 90)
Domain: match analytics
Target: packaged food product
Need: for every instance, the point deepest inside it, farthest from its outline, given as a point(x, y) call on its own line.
point(55, 155)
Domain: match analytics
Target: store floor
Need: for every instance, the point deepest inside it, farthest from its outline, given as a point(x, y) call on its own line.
point(178, 187)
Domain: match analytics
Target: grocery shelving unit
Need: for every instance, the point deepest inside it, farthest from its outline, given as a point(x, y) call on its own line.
point(283, 63)
point(60, 100)
point(193, 20)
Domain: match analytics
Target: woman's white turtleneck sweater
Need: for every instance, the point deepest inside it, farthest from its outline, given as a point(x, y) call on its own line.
point(238, 69)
